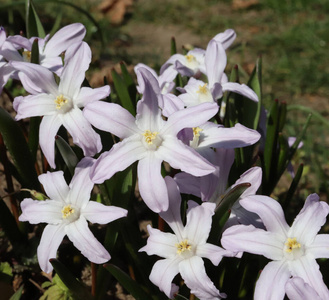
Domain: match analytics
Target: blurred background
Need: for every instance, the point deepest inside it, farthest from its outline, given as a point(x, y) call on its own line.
point(292, 36)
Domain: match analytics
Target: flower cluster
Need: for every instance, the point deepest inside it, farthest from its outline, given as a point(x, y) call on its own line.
point(181, 125)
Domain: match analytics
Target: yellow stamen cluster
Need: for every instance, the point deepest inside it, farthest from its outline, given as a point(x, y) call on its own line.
point(60, 101)
point(183, 246)
point(150, 136)
point(190, 57)
point(292, 244)
point(27, 56)
point(67, 211)
point(202, 89)
point(196, 131)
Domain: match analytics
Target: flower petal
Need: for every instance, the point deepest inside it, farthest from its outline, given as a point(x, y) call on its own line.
point(83, 239)
point(241, 89)
point(89, 95)
point(121, 156)
point(172, 216)
point(226, 38)
point(194, 274)
point(298, 289)
point(310, 219)
point(163, 273)
point(241, 238)
point(212, 252)
point(63, 38)
point(35, 212)
point(275, 271)
point(201, 214)
point(269, 210)
point(35, 78)
point(112, 118)
point(48, 129)
point(34, 105)
point(183, 157)
point(152, 186)
point(55, 185)
point(81, 131)
point(188, 184)
point(51, 238)
point(160, 243)
point(307, 268)
point(320, 246)
point(190, 117)
point(99, 213)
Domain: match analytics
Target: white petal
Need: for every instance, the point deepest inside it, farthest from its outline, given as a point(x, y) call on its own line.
point(241, 89)
point(201, 214)
point(81, 131)
point(212, 252)
point(81, 184)
point(226, 38)
point(272, 280)
point(307, 268)
point(188, 184)
point(48, 129)
point(99, 213)
point(163, 273)
point(298, 289)
point(172, 216)
point(121, 156)
point(51, 238)
point(241, 238)
point(83, 239)
point(55, 185)
point(112, 118)
point(310, 219)
point(151, 184)
point(269, 210)
point(89, 95)
point(34, 105)
point(160, 243)
point(194, 274)
point(320, 246)
point(48, 211)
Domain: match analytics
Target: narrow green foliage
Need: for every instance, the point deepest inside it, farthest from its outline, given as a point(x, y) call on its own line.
point(121, 87)
point(283, 154)
point(67, 154)
point(134, 288)
point(19, 151)
point(17, 294)
point(309, 110)
point(131, 86)
point(293, 185)
point(57, 290)
point(33, 23)
point(35, 52)
point(74, 285)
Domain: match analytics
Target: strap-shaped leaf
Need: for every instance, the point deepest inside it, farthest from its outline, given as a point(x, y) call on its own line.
point(33, 23)
point(134, 288)
point(72, 283)
point(69, 157)
point(19, 150)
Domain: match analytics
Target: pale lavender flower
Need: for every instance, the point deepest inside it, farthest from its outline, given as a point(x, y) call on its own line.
point(298, 289)
point(293, 250)
point(150, 140)
point(67, 212)
point(183, 250)
point(60, 104)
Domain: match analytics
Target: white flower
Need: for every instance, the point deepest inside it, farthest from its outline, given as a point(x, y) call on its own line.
point(67, 212)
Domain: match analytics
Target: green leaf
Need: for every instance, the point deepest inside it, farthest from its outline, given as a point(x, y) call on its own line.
point(131, 86)
point(57, 290)
point(6, 272)
point(69, 157)
point(129, 284)
point(19, 150)
point(293, 185)
point(73, 284)
point(123, 93)
point(283, 155)
point(18, 294)
point(33, 23)
point(255, 82)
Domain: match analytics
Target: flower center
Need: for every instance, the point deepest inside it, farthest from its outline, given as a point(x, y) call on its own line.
point(67, 211)
point(152, 140)
point(190, 58)
point(196, 136)
point(183, 246)
point(202, 89)
point(293, 249)
point(27, 56)
point(60, 101)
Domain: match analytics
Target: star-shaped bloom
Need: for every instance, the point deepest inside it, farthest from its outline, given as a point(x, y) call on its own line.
point(150, 140)
point(67, 212)
point(60, 104)
point(293, 250)
point(183, 250)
